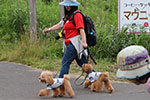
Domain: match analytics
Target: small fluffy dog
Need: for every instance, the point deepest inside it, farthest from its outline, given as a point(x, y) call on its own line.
point(96, 79)
point(59, 86)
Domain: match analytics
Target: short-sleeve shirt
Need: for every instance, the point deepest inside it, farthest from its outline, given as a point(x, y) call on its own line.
point(70, 29)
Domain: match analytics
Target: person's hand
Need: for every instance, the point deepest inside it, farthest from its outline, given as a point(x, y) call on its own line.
point(46, 30)
point(84, 45)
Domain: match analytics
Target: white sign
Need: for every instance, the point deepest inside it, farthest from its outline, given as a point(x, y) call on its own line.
point(134, 15)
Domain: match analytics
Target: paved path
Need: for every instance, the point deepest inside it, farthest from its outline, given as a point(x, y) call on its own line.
point(18, 82)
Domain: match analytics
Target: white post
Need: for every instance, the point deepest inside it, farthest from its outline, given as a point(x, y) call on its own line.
point(61, 10)
point(33, 21)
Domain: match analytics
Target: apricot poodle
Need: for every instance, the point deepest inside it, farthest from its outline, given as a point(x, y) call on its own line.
point(96, 79)
point(59, 86)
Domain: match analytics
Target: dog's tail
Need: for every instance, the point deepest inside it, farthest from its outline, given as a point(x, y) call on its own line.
point(67, 77)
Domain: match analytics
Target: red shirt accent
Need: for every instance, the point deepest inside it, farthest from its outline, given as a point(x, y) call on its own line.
point(70, 29)
point(67, 42)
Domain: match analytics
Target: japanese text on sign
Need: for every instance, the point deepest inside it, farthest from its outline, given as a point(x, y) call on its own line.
point(135, 12)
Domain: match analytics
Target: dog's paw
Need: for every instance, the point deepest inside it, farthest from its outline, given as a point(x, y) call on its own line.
point(71, 95)
point(44, 92)
point(62, 94)
point(54, 96)
point(110, 90)
point(86, 84)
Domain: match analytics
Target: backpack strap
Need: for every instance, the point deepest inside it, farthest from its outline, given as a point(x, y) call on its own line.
point(77, 11)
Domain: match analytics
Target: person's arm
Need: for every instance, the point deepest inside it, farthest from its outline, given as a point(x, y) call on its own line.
point(78, 18)
point(82, 32)
point(53, 28)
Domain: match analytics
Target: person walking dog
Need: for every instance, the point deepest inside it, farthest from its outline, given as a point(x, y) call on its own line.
point(74, 35)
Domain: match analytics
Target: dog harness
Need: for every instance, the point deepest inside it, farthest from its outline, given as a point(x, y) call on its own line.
point(93, 76)
point(57, 82)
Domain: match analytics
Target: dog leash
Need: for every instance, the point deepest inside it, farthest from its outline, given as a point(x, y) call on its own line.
point(68, 61)
point(62, 65)
point(87, 54)
point(56, 74)
point(75, 82)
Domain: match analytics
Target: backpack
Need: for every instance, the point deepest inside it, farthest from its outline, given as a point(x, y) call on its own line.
point(90, 30)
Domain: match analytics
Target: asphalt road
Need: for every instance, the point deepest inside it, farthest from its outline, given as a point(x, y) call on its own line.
point(18, 82)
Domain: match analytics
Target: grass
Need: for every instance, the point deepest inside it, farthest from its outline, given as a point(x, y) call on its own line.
point(46, 56)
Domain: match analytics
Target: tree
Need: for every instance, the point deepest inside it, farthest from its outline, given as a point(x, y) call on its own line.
point(33, 21)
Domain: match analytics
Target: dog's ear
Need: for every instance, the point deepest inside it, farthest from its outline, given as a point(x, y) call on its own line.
point(49, 79)
point(90, 68)
point(42, 78)
point(87, 68)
